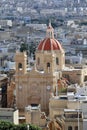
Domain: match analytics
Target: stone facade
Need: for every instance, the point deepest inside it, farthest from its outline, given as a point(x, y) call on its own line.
point(34, 87)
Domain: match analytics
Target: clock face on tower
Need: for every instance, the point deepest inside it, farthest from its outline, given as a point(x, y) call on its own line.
point(20, 87)
point(48, 87)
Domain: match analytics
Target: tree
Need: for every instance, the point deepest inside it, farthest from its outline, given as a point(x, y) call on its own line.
point(4, 125)
point(23, 47)
point(32, 49)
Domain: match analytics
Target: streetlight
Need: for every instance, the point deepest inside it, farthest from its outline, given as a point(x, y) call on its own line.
point(78, 113)
point(27, 127)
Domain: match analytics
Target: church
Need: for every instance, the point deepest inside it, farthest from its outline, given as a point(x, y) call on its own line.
point(38, 84)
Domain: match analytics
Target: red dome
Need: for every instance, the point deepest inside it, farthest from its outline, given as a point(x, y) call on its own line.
point(49, 44)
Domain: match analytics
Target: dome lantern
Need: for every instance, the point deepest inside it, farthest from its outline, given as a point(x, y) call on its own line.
point(50, 31)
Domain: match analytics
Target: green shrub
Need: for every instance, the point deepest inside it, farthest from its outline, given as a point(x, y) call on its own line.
point(4, 125)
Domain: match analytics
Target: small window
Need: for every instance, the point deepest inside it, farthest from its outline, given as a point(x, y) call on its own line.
point(57, 61)
point(66, 76)
point(67, 61)
point(19, 66)
point(38, 60)
point(70, 128)
point(85, 78)
point(76, 127)
point(48, 64)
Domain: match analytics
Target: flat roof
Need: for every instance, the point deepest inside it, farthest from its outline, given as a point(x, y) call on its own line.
point(71, 110)
point(3, 76)
point(21, 117)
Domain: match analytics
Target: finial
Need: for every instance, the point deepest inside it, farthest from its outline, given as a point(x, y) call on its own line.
point(50, 23)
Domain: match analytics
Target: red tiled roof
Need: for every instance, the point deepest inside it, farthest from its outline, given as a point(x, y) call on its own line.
point(49, 44)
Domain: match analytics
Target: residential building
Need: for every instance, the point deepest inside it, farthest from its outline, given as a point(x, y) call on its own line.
point(68, 112)
point(9, 114)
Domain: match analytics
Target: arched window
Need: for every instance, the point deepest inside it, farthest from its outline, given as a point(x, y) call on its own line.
point(51, 34)
point(70, 128)
point(38, 60)
point(48, 64)
point(57, 61)
point(76, 127)
point(20, 66)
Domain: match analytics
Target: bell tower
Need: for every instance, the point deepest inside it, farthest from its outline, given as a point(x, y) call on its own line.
point(21, 62)
point(21, 87)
